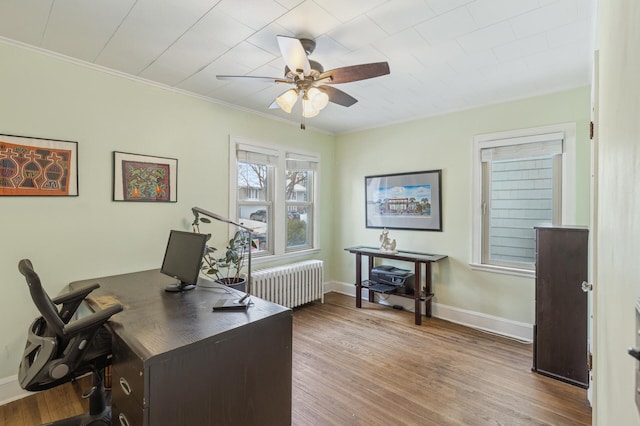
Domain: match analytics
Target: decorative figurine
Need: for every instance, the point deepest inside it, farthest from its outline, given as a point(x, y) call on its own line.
point(387, 244)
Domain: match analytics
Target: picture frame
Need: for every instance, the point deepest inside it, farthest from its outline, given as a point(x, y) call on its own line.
point(404, 201)
point(31, 166)
point(144, 178)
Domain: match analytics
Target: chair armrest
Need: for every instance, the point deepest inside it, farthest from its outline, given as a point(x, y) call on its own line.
point(71, 301)
point(93, 320)
point(74, 295)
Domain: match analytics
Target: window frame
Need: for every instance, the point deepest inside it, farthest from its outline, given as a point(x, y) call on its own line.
point(516, 137)
point(278, 227)
point(268, 202)
point(309, 205)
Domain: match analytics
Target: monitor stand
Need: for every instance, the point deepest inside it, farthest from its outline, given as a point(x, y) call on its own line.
point(178, 287)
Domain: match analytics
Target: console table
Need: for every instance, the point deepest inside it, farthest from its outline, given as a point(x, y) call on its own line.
point(176, 362)
point(418, 259)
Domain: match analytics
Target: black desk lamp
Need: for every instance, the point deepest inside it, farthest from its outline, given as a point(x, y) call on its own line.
point(197, 210)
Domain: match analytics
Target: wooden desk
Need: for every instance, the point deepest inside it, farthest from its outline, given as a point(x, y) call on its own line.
point(176, 362)
point(418, 259)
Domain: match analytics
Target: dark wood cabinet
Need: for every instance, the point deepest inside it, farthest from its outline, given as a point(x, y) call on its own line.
point(176, 362)
point(560, 331)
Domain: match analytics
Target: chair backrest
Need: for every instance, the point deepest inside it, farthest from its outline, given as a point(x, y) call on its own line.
point(63, 344)
point(41, 299)
point(59, 349)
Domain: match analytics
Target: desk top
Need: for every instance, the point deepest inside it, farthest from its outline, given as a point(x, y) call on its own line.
point(411, 256)
point(154, 321)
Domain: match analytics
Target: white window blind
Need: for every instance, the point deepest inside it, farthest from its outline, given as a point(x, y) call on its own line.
point(551, 145)
point(256, 155)
point(301, 162)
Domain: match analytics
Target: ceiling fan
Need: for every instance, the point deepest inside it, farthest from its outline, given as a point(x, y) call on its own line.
point(310, 81)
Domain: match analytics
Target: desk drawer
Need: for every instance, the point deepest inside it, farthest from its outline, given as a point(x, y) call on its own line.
point(128, 371)
point(125, 410)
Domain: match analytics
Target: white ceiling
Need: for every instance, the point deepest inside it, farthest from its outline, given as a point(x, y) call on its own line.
point(444, 55)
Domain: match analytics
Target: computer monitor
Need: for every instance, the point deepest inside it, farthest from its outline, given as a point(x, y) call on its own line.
point(183, 259)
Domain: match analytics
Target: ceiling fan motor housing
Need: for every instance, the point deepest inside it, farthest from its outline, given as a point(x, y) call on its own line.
point(308, 45)
point(316, 70)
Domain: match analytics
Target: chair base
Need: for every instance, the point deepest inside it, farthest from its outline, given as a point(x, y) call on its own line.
point(99, 411)
point(85, 419)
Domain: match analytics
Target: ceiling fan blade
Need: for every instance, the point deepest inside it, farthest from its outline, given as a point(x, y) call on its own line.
point(337, 96)
point(252, 78)
point(294, 54)
point(356, 72)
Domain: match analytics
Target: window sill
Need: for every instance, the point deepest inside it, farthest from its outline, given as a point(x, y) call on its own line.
point(283, 256)
point(525, 273)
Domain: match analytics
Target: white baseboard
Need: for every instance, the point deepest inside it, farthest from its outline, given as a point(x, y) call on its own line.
point(502, 326)
point(10, 390)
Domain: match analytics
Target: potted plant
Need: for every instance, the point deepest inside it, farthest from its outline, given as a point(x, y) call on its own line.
point(226, 269)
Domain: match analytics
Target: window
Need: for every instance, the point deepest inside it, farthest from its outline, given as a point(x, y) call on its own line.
point(299, 201)
point(254, 197)
point(521, 179)
point(275, 195)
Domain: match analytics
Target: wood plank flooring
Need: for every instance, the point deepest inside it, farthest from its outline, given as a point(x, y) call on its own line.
point(374, 366)
point(53, 404)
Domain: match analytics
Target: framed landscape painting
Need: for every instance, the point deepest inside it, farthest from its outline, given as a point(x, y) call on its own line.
point(404, 201)
point(38, 167)
point(144, 178)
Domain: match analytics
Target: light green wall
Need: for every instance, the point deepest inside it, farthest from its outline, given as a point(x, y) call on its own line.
point(617, 281)
point(74, 238)
point(445, 142)
point(91, 236)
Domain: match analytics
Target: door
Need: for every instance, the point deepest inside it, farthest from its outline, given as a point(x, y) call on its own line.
point(593, 225)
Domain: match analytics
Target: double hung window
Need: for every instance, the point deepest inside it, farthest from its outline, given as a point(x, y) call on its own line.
point(275, 194)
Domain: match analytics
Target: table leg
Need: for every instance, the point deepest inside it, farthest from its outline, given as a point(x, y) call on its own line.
point(371, 293)
point(427, 289)
point(358, 280)
point(416, 292)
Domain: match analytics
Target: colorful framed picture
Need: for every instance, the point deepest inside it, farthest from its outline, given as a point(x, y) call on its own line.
point(38, 167)
point(404, 201)
point(144, 178)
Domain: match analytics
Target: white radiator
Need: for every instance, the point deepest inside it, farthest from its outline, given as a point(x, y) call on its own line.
point(290, 285)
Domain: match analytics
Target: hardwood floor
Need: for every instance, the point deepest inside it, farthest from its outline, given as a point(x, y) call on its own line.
point(53, 404)
point(374, 366)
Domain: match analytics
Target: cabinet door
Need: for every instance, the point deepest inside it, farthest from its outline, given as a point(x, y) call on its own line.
point(561, 305)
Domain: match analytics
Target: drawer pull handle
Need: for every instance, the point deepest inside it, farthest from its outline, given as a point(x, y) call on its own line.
point(125, 386)
point(123, 419)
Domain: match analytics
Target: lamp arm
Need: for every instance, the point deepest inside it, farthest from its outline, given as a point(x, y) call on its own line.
point(198, 210)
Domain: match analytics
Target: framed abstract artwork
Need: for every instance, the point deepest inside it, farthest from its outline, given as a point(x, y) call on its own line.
point(144, 178)
point(404, 201)
point(38, 167)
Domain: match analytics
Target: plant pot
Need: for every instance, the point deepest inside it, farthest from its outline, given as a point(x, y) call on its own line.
point(235, 283)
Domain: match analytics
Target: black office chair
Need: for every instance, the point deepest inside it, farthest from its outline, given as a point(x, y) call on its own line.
point(59, 350)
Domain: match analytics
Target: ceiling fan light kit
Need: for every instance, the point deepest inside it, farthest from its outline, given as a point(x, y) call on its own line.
point(310, 79)
point(308, 111)
point(287, 100)
point(318, 98)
